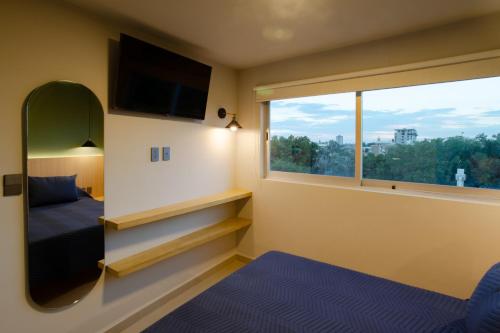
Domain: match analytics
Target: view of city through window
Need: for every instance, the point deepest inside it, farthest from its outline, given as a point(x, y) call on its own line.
point(314, 134)
point(446, 134)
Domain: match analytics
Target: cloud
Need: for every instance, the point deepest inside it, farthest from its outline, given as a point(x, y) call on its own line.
point(494, 113)
point(406, 125)
point(483, 120)
point(332, 102)
point(282, 114)
point(452, 124)
point(285, 132)
point(374, 135)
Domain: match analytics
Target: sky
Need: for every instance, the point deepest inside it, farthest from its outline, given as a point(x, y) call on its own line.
point(441, 110)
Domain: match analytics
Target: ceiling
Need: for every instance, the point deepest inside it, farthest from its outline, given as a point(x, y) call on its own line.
point(246, 33)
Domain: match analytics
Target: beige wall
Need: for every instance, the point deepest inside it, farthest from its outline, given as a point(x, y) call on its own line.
point(41, 41)
point(442, 245)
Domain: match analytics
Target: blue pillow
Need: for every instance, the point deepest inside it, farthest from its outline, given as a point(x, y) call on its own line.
point(489, 284)
point(485, 318)
point(51, 190)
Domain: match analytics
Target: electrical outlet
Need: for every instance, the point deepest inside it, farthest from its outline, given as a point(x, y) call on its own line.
point(166, 153)
point(155, 154)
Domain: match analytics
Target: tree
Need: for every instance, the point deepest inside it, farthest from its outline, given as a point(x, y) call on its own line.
point(432, 161)
point(436, 161)
point(300, 154)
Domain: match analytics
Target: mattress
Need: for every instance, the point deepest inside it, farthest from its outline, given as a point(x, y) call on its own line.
point(64, 239)
point(279, 292)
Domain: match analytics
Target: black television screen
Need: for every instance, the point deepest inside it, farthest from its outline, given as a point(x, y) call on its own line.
point(154, 80)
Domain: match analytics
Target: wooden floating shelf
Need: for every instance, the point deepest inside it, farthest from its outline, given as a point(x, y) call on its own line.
point(185, 207)
point(175, 247)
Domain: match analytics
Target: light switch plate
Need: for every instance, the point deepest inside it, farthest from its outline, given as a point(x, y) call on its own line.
point(12, 185)
point(166, 153)
point(155, 154)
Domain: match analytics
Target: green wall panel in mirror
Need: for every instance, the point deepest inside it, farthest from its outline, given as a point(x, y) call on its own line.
point(61, 123)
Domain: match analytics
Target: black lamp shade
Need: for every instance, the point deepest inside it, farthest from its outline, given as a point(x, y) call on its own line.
point(89, 144)
point(234, 125)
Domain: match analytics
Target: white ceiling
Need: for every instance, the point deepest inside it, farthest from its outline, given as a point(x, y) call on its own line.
point(246, 33)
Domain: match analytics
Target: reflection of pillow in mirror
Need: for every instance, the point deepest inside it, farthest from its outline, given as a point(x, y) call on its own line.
point(51, 190)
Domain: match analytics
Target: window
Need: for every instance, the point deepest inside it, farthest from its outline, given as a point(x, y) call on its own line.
point(445, 134)
point(434, 134)
point(314, 135)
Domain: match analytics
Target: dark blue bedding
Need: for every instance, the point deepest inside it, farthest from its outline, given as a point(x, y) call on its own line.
point(64, 239)
point(279, 292)
point(59, 220)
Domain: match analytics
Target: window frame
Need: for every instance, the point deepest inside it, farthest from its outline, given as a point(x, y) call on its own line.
point(265, 110)
point(358, 180)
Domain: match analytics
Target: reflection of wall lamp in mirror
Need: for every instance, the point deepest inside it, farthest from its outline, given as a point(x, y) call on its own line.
point(233, 124)
point(89, 143)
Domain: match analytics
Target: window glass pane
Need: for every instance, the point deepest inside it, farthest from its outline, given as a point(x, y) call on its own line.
point(314, 135)
point(446, 133)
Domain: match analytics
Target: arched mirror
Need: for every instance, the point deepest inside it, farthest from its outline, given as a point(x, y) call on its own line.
point(64, 173)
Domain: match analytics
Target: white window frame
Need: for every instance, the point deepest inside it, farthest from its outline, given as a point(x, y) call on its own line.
point(358, 180)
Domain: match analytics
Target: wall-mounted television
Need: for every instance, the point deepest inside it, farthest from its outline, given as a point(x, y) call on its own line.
point(153, 80)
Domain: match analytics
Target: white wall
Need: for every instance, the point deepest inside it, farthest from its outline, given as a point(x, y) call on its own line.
point(442, 245)
point(41, 41)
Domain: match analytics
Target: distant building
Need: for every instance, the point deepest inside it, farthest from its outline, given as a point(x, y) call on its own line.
point(378, 148)
point(340, 139)
point(322, 143)
point(405, 136)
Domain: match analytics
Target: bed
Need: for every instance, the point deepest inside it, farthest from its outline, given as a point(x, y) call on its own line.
point(64, 239)
point(279, 292)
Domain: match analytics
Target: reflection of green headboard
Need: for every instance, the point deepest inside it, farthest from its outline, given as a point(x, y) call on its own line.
point(58, 118)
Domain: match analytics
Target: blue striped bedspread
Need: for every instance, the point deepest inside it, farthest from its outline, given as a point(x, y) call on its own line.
point(279, 292)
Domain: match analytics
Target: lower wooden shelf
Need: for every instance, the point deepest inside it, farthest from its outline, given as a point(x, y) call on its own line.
point(175, 247)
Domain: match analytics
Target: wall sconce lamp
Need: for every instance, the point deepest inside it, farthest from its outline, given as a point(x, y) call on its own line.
point(233, 125)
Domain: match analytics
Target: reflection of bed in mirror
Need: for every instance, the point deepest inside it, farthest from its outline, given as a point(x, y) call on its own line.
point(65, 238)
